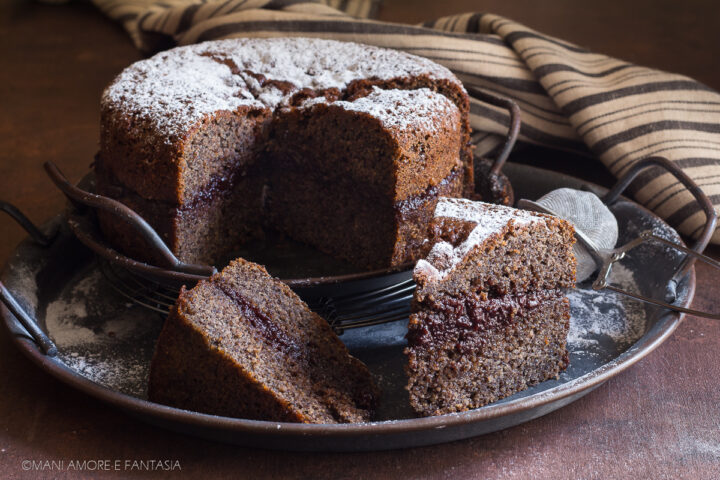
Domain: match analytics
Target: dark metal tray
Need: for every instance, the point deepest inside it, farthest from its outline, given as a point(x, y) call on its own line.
point(105, 344)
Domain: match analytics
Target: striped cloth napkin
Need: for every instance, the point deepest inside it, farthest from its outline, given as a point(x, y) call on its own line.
point(571, 98)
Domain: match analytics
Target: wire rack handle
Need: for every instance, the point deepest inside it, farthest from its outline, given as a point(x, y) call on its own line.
point(41, 339)
point(692, 254)
point(703, 201)
point(82, 198)
point(513, 129)
point(648, 236)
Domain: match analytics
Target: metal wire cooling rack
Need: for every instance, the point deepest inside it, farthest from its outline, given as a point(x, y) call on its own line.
point(146, 293)
point(367, 308)
point(356, 310)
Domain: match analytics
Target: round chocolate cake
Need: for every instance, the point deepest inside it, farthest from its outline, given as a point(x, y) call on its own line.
point(342, 146)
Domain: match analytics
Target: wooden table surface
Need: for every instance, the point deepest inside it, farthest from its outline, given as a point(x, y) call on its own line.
point(660, 419)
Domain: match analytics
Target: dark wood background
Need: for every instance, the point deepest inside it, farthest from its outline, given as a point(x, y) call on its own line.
point(660, 419)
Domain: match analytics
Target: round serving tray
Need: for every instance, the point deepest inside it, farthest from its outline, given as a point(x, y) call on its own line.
point(105, 344)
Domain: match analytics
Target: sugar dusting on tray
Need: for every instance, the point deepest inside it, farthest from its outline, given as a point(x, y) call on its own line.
point(102, 337)
point(606, 313)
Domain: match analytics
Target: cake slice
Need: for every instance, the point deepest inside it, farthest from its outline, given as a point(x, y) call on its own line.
point(242, 344)
point(490, 316)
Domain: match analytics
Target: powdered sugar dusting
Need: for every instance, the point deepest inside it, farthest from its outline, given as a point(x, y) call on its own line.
point(124, 375)
point(93, 328)
point(25, 278)
point(111, 342)
point(63, 315)
point(319, 64)
point(401, 109)
point(597, 314)
point(488, 219)
point(175, 89)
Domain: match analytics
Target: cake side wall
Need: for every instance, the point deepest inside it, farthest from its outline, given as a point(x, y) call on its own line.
point(140, 158)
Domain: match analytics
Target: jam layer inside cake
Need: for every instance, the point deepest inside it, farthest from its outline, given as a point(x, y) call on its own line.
point(469, 352)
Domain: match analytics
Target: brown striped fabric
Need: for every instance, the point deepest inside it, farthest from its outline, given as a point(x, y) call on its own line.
point(571, 98)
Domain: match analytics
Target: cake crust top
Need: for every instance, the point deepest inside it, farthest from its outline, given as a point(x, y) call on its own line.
point(400, 109)
point(175, 89)
point(486, 220)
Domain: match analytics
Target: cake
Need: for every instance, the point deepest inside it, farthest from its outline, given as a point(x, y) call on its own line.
point(490, 316)
point(343, 146)
point(242, 344)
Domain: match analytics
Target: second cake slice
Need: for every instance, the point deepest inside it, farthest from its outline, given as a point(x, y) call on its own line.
point(490, 313)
